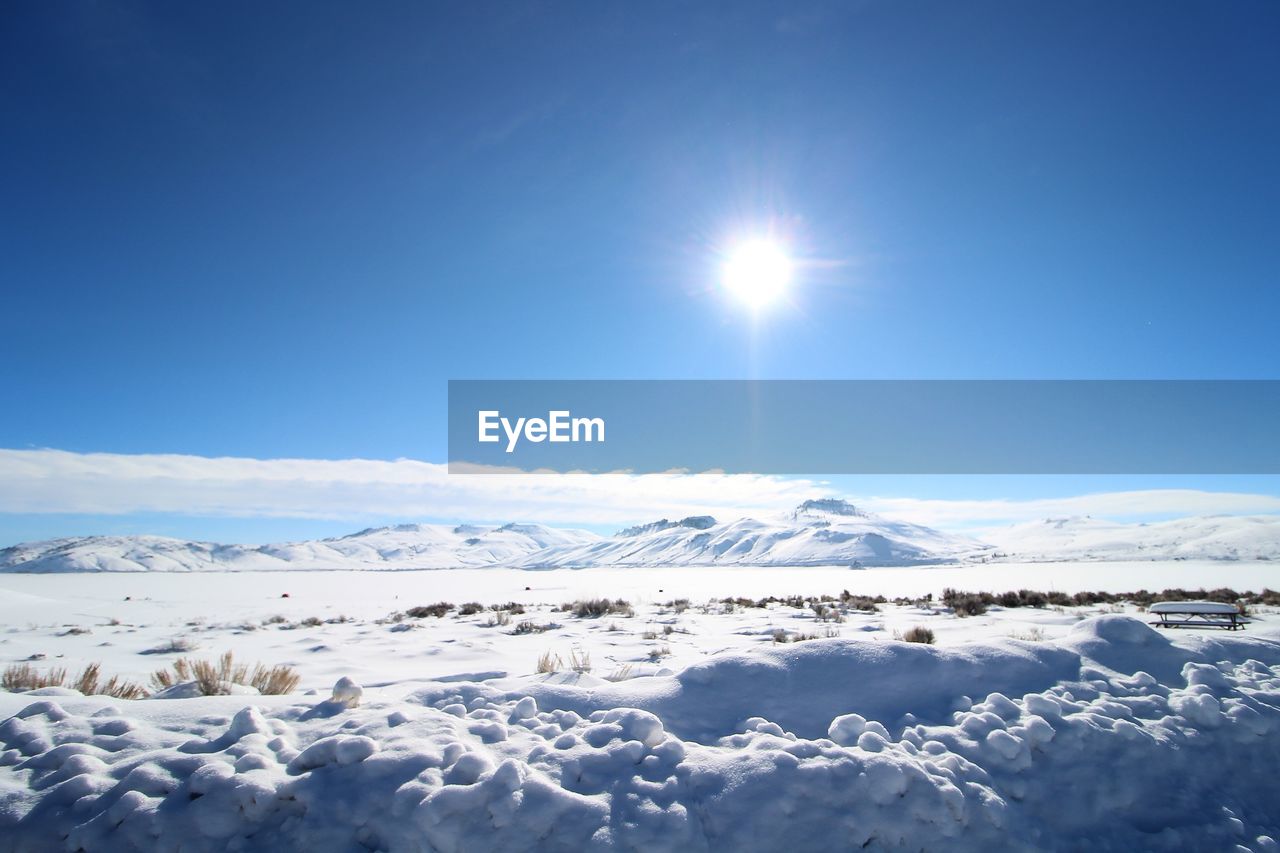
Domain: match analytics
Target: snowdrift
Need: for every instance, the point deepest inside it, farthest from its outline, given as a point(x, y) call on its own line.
point(1116, 738)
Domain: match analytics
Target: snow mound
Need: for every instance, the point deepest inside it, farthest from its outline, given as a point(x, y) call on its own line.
point(1114, 628)
point(877, 749)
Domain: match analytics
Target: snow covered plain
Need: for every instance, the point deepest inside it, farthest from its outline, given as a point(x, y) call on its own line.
point(1033, 729)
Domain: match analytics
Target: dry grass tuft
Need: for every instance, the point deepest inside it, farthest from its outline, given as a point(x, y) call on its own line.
point(659, 653)
point(213, 677)
point(579, 661)
point(622, 673)
point(21, 677)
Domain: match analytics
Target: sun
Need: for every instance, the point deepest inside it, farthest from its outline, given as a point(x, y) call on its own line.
point(757, 272)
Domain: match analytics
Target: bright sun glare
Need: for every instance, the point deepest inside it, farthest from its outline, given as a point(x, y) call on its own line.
point(757, 272)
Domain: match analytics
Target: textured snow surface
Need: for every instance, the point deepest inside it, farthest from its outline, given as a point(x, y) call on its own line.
point(1113, 737)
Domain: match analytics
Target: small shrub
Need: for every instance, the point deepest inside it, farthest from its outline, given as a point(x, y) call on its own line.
point(513, 607)
point(1009, 599)
point(470, 608)
point(861, 602)
point(918, 634)
point(864, 603)
point(827, 613)
point(529, 627)
point(549, 662)
point(591, 608)
point(499, 618)
point(437, 610)
point(659, 653)
point(579, 662)
point(312, 622)
point(175, 646)
point(1057, 599)
point(967, 603)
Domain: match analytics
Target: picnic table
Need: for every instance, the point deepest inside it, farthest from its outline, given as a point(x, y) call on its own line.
point(1197, 614)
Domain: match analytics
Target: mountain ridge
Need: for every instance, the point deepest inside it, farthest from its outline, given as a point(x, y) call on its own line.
point(821, 532)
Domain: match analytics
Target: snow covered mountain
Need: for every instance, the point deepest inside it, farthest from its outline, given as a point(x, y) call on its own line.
point(823, 532)
point(1094, 539)
point(818, 533)
point(405, 546)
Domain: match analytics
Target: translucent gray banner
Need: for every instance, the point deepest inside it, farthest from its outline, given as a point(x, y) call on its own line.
point(867, 426)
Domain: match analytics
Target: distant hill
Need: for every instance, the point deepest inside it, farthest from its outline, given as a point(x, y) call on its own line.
point(817, 533)
point(823, 532)
point(1082, 538)
point(405, 546)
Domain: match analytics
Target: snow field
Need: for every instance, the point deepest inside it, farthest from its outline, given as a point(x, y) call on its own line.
point(50, 622)
point(1113, 737)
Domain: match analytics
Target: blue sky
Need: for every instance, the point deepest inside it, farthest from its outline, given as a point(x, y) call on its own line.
point(276, 230)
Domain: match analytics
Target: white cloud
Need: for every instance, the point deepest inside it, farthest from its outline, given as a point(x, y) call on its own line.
point(57, 481)
point(47, 481)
